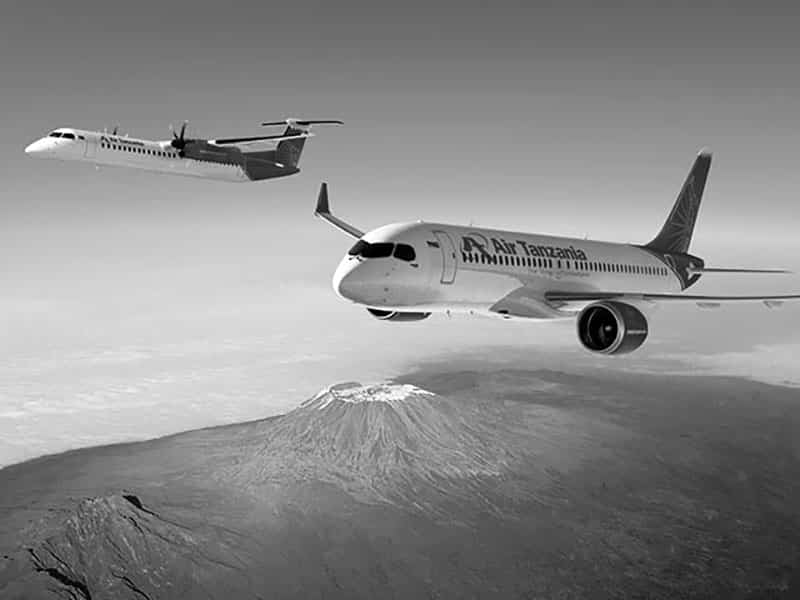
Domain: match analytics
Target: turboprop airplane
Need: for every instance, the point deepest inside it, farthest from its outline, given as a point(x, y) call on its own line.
point(229, 159)
point(406, 271)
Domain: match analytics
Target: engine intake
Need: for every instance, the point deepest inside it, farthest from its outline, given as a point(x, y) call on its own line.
point(611, 328)
point(393, 315)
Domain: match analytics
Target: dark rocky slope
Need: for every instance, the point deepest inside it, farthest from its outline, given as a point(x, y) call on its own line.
point(492, 485)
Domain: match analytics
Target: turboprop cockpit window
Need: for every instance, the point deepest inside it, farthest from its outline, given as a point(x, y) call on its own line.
point(69, 136)
point(55, 134)
point(405, 252)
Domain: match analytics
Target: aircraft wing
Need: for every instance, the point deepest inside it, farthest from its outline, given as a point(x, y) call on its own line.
point(564, 299)
point(258, 143)
point(525, 303)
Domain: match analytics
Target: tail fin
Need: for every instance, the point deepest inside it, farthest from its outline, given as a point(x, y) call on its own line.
point(676, 234)
point(288, 151)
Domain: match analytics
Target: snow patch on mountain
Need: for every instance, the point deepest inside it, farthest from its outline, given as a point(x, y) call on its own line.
point(353, 392)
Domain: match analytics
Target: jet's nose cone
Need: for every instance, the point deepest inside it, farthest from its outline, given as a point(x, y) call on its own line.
point(37, 147)
point(346, 279)
point(364, 282)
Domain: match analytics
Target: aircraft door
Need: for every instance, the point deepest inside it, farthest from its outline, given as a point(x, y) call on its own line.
point(91, 147)
point(448, 250)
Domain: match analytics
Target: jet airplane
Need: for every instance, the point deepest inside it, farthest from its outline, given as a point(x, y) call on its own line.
point(406, 271)
point(229, 159)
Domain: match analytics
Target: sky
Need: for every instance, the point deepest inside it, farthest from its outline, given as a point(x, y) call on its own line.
point(136, 304)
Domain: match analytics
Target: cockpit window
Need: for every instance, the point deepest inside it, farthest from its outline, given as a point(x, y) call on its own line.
point(358, 248)
point(69, 136)
point(405, 252)
point(367, 250)
point(378, 250)
point(55, 134)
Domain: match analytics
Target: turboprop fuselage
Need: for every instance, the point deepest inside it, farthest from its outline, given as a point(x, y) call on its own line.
point(122, 151)
point(229, 159)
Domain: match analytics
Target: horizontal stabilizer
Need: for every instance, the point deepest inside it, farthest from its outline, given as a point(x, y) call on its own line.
point(303, 122)
point(715, 270)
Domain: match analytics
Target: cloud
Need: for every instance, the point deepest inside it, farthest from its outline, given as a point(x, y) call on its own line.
point(770, 363)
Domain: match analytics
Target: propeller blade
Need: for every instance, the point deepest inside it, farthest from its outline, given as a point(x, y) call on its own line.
point(182, 131)
point(179, 140)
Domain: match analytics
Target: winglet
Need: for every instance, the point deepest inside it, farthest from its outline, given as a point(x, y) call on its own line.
point(323, 208)
point(323, 211)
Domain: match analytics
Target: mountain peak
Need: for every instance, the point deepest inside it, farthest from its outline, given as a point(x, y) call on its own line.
point(384, 441)
point(354, 392)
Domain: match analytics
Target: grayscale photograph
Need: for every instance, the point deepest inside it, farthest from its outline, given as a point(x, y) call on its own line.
point(417, 300)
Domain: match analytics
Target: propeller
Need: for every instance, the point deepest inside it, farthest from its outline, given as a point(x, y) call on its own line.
point(179, 140)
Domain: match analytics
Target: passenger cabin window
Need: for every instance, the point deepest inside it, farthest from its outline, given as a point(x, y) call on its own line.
point(405, 252)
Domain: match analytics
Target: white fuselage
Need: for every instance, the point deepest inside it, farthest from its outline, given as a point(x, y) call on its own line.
point(123, 151)
point(467, 269)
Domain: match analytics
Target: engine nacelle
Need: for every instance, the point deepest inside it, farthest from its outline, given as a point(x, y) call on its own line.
point(393, 315)
point(611, 327)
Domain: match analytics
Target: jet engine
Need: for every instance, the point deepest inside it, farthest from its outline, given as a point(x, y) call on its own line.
point(611, 328)
point(393, 315)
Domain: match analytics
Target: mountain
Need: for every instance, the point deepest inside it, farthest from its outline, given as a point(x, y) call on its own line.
point(504, 484)
point(396, 444)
